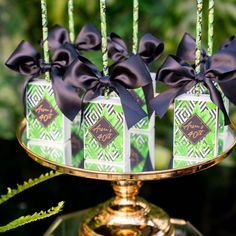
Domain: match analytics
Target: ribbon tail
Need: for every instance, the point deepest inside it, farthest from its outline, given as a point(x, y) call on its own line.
point(216, 98)
point(149, 95)
point(132, 111)
point(161, 103)
point(227, 88)
point(66, 96)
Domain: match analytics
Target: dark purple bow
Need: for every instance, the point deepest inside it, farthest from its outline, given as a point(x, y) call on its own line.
point(150, 48)
point(88, 82)
point(89, 38)
point(181, 76)
point(224, 62)
point(27, 61)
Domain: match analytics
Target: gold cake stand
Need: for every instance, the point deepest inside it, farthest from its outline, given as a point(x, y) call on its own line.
point(125, 214)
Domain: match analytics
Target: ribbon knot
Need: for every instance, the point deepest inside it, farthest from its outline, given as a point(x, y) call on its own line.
point(44, 67)
point(105, 81)
point(84, 76)
point(200, 77)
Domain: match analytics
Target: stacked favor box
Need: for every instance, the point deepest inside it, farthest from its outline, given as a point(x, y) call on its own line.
point(106, 136)
point(45, 121)
point(199, 129)
point(48, 130)
point(108, 144)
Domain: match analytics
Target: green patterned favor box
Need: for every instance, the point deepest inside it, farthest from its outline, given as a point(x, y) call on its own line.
point(58, 153)
point(196, 127)
point(106, 136)
point(142, 151)
point(45, 121)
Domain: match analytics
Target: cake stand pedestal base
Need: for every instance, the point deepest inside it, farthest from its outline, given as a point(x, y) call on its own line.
point(123, 215)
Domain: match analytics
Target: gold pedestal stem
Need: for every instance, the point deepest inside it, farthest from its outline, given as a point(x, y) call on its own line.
point(127, 215)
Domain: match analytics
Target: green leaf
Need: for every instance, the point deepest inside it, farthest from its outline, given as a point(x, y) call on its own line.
point(31, 218)
point(26, 185)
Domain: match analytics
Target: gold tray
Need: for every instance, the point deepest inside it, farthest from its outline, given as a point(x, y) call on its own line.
point(148, 175)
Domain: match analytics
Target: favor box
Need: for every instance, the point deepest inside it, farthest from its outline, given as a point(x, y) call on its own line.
point(45, 121)
point(57, 153)
point(142, 151)
point(77, 143)
point(106, 136)
point(197, 127)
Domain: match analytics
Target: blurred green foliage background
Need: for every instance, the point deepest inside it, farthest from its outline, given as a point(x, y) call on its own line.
point(167, 19)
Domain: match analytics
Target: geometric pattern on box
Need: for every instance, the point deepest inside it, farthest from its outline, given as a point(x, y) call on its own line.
point(185, 107)
point(77, 143)
point(60, 154)
point(111, 111)
point(139, 151)
point(58, 129)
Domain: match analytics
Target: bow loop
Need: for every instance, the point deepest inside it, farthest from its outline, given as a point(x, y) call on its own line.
point(57, 37)
point(131, 73)
point(150, 48)
point(89, 38)
point(187, 49)
point(117, 49)
point(175, 72)
point(25, 60)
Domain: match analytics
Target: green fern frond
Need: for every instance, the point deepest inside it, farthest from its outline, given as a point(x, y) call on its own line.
point(27, 184)
point(31, 218)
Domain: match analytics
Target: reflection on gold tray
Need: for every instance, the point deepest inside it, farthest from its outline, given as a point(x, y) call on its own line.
point(69, 224)
point(66, 165)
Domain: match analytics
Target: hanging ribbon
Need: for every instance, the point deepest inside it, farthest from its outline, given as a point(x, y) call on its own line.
point(27, 61)
point(150, 48)
point(89, 38)
point(175, 72)
point(83, 76)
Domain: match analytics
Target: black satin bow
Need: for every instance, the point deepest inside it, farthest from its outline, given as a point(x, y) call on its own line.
point(175, 72)
point(150, 48)
point(89, 38)
point(27, 61)
point(85, 80)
